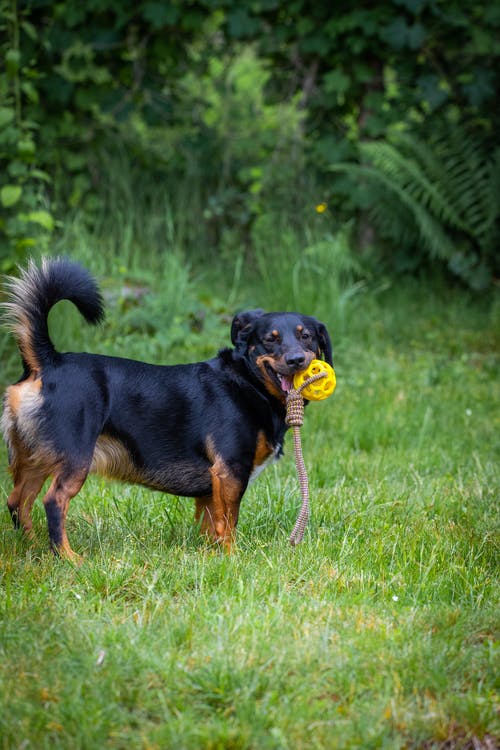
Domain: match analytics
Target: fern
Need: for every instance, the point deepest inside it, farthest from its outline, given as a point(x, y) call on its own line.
point(447, 188)
point(431, 230)
point(409, 175)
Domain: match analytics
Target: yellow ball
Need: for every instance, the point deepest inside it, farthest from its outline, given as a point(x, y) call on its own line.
point(321, 388)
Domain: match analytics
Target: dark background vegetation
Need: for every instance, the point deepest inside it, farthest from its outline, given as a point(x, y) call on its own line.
point(224, 121)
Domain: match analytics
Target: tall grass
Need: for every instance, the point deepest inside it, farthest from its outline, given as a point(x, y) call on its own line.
point(379, 631)
point(313, 271)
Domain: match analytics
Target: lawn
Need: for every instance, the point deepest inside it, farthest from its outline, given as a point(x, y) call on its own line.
point(378, 631)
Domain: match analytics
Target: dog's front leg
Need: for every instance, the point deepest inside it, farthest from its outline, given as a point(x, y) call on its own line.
point(218, 513)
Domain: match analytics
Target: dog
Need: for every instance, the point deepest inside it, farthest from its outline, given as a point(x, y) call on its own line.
point(201, 430)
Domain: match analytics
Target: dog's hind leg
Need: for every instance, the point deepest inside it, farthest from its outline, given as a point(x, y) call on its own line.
point(27, 485)
point(65, 485)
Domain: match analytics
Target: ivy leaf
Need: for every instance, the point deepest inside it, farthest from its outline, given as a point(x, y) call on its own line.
point(39, 174)
point(10, 194)
point(12, 61)
point(395, 33)
point(481, 88)
point(6, 116)
point(30, 30)
point(414, 6)
point(336, 82)
point(160, 14)
point(399, 35)
point(30, 91)
point(434, 90)
point(241, 24)
point(416, 36)
point(43, 218)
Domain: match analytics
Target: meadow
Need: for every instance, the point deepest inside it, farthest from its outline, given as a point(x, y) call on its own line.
point(379, 631)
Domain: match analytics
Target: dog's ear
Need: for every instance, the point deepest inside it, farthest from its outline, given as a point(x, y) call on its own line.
point(242, 325)
point(324, 342)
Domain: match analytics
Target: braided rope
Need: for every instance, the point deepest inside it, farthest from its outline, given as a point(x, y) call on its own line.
point(295, 419)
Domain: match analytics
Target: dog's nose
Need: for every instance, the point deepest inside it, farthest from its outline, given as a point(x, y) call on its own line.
point(295, 360)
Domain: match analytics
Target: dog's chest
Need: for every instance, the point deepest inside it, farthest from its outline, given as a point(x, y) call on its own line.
point(264, 455)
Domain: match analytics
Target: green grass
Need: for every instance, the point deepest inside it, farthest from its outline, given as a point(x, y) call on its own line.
point(379, 631)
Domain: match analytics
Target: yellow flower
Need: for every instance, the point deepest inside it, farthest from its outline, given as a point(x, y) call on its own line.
point(321, 208)
point(54, 726)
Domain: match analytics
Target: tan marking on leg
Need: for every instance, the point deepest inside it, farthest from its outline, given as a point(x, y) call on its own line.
point(21, 499)
point(64, 486)
point(29, 470)
point(225, 500)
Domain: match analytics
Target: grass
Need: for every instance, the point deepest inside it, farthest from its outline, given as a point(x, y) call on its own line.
point(379, 631)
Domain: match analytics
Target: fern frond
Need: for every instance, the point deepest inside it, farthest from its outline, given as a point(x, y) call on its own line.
point(408, 174)
point(431, 230)
point(466, 169)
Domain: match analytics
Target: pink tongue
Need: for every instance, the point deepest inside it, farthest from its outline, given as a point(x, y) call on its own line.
point(286, 383)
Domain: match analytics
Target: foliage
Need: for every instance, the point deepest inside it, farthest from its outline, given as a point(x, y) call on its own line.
point(242, 108)
point(25, 217)
point(253, 148)
point(378, 631)
point(446, 198)
point(370, 63)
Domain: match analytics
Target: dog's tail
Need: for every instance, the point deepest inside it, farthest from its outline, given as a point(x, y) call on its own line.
point(31, 296)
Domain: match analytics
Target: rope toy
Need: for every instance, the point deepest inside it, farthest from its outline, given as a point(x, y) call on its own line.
point(315, 383)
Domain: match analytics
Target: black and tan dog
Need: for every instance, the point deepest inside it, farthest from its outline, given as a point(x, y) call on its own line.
point(200, 430)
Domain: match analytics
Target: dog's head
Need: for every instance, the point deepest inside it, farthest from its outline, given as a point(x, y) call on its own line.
point(278, 345)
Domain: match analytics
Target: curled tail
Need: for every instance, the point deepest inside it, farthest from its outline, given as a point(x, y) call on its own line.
point(31, 296)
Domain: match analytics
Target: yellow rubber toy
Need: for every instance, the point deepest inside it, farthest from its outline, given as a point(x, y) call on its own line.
point(321, 388)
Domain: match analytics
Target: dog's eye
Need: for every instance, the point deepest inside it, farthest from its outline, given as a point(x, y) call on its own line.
point(271, 338)
point(305, 336)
